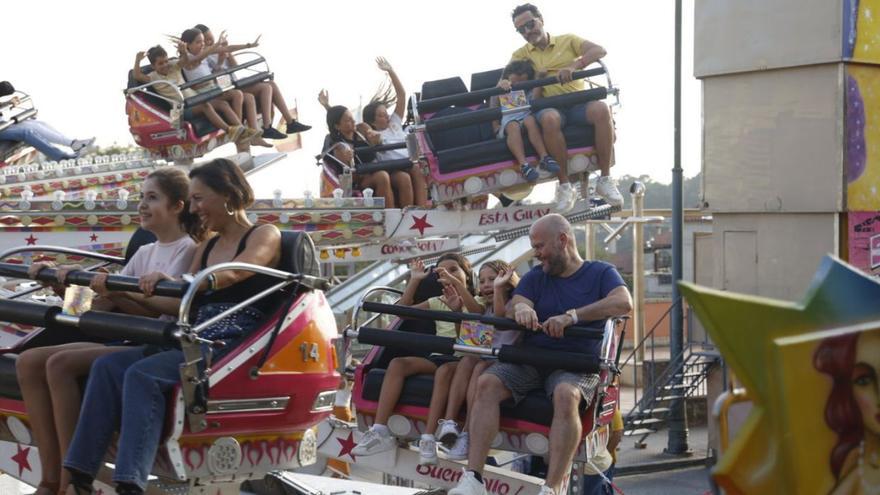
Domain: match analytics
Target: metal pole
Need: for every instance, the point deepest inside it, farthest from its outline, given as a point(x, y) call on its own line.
point(677, 441)
point(637, 192)
point(589, 242)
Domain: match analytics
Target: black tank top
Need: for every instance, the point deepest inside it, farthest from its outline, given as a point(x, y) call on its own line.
point(242, 290)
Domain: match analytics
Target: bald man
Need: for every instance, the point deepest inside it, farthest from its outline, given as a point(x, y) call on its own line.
point(562, 291)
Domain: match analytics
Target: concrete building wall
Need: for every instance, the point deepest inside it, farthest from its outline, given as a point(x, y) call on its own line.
point(773, 255)
point(773, 141)
point(751, 35)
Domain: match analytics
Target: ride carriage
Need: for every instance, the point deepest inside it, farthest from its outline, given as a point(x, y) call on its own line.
point(453, 142)
point(251, 412)
point(168, 128)
point(524, 428)
point(12, 152)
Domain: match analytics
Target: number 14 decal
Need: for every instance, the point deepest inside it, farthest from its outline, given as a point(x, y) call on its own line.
point(309, 351)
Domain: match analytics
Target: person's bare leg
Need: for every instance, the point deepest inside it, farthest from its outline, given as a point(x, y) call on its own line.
point(565, 433)
point(30, 367)
point(403, 188)
point(262, 93)
point(380, 182)
point(227, 111)
point(551, 129)
point(250, 111)
point(459, 386)
point(63, 372)
point(235, 98)
point(208, 111)
point(599, 115)
point(485, 417)
point(392, 384)
point(515, 142)
point(280, 104)
point(439, 395)
point(535, 137)
point(472, 390)
point(419, 186)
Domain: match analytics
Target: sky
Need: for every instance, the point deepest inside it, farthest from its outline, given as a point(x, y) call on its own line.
point(75, 63)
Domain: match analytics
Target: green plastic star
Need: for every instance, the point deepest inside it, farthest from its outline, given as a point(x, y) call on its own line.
point(745, 329)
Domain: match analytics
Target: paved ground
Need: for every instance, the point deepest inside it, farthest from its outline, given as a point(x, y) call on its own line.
point(682, 482)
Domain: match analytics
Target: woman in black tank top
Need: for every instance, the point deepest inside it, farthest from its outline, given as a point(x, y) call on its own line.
point(219, 195)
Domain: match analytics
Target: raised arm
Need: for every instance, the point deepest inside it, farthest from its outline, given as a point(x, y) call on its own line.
point(234, 48)
point(400, 105)
point(417, 273)
point(190, 61)
point(138, 73)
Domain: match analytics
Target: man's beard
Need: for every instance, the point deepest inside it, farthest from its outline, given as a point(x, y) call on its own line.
point(554, 266)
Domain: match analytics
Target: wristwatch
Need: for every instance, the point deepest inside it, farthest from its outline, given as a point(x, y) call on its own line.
point(574, 315)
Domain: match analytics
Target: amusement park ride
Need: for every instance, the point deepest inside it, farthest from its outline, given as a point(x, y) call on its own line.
point(266, 406)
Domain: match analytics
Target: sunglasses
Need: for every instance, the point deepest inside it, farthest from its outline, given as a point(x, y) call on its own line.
point(526, 27)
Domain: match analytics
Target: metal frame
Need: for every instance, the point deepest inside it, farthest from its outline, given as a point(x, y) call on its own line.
point(26, 103)
point(191, 377)
point(104, 258)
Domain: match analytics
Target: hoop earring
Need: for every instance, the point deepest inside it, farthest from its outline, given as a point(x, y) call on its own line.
point(228, 212)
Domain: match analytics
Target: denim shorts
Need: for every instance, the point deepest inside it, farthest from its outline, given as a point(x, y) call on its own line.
point(576, 115)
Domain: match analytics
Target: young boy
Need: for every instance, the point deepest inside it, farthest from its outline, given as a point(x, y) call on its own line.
point(167, 70)
point(512, 123)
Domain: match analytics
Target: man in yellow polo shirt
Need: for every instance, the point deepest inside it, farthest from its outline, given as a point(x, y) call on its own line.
point(560, 55)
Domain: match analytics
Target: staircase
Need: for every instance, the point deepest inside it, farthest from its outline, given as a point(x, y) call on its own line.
point(674, 385)
point(683, 377)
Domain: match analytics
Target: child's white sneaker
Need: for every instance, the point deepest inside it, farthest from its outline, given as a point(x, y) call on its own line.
point(448, 431)
point(459, 451)
point(374, 441)
point(428, 450)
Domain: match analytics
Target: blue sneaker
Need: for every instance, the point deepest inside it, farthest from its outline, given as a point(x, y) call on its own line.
point(550, 165)
point(528, 173)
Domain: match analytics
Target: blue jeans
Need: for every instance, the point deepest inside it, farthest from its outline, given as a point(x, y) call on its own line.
point(126, 391)
point(41, 136)
point(595, 485)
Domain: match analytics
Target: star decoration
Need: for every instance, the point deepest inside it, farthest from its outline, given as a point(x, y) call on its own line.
point(31, 240)
point(346, 446)
point(420, 224)
point(785, 444)
point(21, 458)
point(93, 237)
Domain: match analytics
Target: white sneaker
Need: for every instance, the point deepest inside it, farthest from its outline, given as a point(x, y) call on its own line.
point(606, 187)
point(459, 451)
point(546, 490)
point(428, 450)
point(468, 485)
point(565, 197)
point(374, 442)
point(80, 146)
point(448, 431)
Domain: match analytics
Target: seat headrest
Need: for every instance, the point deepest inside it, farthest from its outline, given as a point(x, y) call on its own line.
point(298, 254)
point(485, 80)
point(443, 87)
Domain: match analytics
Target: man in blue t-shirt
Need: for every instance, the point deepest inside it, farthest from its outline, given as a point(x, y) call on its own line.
point(562, 291)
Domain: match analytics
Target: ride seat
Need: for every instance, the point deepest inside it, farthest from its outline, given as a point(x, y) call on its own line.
point(200, 124)
point(485, 80)
point(474, 145)
point(534, 408)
